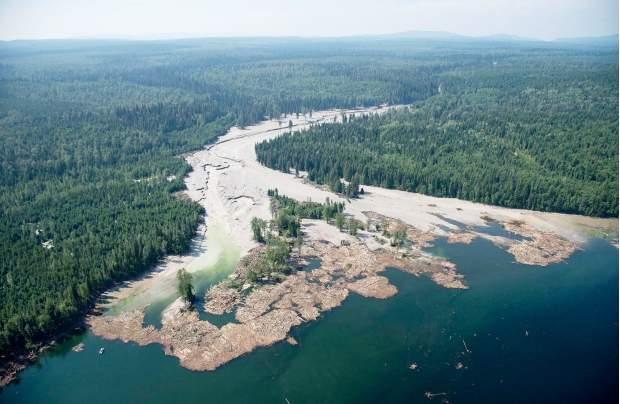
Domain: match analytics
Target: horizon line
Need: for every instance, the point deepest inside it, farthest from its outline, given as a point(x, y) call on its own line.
point(182, 36)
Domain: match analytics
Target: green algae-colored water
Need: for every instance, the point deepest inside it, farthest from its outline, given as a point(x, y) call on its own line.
point(522, 334)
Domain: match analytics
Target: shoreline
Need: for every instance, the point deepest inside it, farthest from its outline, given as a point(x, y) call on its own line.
point(232, 186)
point(228, 208)
point(224, 181)
point(265, 312)
point(13, 363)
point(216, 182)
point(148, 287)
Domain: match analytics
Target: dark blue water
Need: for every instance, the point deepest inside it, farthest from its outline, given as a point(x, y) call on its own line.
point(532, 335)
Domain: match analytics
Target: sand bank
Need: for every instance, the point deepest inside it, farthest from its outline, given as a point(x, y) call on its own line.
point(265, 313)
point(232, 186)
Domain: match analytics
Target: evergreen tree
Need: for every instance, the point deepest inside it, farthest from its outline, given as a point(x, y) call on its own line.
point(185, 287)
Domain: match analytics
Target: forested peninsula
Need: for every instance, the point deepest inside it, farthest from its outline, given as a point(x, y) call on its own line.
point(547, 143)
point(91, 134)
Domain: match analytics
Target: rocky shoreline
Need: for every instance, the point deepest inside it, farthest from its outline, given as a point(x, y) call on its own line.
point(231, 185)
point(266, 312)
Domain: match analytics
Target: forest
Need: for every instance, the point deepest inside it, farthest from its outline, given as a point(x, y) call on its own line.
point(92, 135)
point(284, 232)
point(522, 134)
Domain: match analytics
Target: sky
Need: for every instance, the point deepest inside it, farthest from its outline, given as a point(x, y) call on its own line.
point(144, 19)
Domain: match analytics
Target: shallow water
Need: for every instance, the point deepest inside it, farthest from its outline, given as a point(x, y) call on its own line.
point(522, 333)
point(226, 255)
point(491, 228)
point(201, 279)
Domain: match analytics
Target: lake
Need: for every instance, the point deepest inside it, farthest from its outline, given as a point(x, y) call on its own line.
point(519, 334)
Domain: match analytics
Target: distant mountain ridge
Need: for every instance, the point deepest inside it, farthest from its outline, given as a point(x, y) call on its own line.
point(422, 36)
point(610, 40)
point(606, 40)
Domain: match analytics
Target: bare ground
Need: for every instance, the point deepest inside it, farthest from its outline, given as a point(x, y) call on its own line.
point(265, 313)
point(232, 186)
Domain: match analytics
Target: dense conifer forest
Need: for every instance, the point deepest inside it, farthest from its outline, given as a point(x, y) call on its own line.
point(91, 134)
point(528, 132)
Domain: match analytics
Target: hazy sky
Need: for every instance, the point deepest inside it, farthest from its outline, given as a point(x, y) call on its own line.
point(546, 19)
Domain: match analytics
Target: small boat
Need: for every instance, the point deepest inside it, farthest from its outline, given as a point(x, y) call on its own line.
point(101, 350)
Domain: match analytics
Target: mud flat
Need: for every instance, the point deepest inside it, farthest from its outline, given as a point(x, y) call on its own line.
point(425, 215)
point(232, 186)
point(265, 313)
point(528, 245)
point(461, 237)
point(538, 247)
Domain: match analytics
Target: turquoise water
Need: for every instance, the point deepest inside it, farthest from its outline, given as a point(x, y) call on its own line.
point(535, 335)
point(202, 279)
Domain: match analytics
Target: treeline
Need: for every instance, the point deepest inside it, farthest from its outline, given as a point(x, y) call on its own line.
point(548, 144)
point(287, 214)
point(91, 133)
point(89, 150)
point(282, 204)
point(284, 231)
